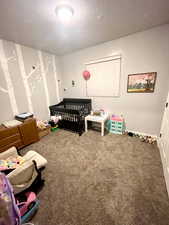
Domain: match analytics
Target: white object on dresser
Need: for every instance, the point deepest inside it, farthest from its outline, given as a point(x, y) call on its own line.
point(11, 123)
point(99, 119)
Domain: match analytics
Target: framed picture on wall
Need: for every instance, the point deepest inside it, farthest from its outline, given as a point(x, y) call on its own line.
point(141, 82)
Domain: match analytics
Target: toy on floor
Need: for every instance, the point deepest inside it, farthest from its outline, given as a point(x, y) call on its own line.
point(147, 139)
point(55, 128)
point(28, 206)
point(143, 138)
point(54, 122)
point(9, 212)
point(41, 125)
point(55, 119)
point(13, 212)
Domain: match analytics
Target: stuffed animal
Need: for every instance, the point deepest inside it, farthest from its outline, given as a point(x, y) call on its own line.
point(41, 125)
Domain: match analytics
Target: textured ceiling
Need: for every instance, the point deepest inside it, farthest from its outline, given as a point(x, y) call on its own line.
point(34, 23)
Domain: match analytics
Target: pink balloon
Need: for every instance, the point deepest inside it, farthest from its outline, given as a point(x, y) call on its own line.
point(86, 75)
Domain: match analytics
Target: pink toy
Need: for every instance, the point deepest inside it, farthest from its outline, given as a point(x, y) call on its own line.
point(10, 214)
point(28, 203)
point(86, 75)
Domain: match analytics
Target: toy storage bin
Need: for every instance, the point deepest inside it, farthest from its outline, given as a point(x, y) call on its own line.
point(116, 125)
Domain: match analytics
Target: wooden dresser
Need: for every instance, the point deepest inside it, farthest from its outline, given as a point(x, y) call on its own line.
point(18, 136)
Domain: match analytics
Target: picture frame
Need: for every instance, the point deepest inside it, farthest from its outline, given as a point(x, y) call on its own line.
point(141, 82)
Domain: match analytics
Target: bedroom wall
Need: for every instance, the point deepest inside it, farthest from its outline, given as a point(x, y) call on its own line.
point(146, 51)
point(28, 81)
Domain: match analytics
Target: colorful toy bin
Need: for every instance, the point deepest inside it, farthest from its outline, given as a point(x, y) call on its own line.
point(116, 125)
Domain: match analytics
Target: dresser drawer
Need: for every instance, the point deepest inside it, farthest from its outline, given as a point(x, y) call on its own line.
point(18, 136)
point(10, 140)
point(7, 132)
point(17, 144)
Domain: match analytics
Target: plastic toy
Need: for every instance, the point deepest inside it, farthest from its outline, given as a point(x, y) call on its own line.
point(116, 125)
point(9, 210)
point(28, 207)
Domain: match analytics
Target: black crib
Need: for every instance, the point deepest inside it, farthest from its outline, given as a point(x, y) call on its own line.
point(72, 112)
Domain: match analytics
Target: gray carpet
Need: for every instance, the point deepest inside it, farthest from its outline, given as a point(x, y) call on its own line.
point(94, 180)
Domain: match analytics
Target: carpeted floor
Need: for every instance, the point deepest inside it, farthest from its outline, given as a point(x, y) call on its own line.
point(94, 180)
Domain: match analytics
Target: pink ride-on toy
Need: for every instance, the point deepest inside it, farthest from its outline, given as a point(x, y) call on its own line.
point(28, 206)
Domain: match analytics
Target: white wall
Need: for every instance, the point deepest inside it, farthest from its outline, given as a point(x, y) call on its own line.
point(28, 81)
point(146, 51)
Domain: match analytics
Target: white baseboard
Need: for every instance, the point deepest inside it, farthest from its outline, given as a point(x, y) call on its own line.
point(164, 163)
point(140, 133)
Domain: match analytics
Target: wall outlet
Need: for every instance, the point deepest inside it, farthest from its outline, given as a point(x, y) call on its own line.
point(73, 83)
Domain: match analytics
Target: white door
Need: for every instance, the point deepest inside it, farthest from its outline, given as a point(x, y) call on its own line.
point(164, 143)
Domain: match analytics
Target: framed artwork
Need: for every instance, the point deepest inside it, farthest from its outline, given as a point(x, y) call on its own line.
point(141, 82)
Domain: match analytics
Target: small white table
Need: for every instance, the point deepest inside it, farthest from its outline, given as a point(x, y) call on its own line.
point(99, 119)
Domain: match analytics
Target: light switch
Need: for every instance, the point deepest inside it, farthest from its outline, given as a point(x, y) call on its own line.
point(73, 83)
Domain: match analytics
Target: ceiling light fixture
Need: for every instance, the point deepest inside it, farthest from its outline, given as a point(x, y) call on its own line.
point(64, 13)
